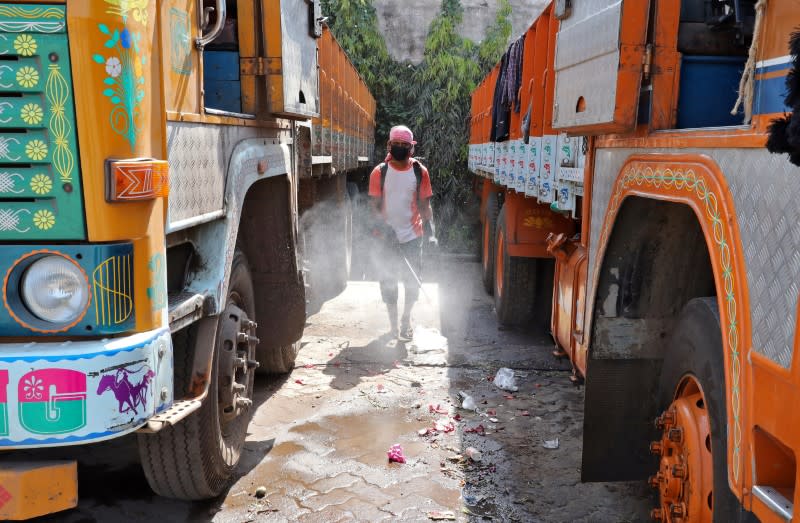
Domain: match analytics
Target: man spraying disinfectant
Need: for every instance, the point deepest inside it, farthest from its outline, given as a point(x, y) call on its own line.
point(400, 190)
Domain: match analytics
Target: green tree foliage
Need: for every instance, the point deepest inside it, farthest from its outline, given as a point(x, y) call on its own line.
point(433, 97)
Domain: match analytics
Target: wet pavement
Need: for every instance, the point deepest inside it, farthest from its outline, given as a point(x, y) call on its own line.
point(319, 437)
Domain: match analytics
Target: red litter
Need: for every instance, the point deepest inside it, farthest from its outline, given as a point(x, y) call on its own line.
point(444, 425)
point(479, 430)
point(524, 413)
point(508, 396)
point(491, 412)
point(395, 454)
point(299, 382)
point(438, 409)
point(308, 366)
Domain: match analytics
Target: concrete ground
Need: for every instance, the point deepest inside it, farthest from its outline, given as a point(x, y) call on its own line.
point(319, 437)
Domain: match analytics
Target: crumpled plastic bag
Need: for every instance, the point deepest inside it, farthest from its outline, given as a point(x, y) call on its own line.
point(395, 454)
point(550, 444)
point(504, 379)
point(467, 403)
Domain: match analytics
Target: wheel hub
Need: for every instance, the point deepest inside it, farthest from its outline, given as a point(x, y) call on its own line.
point(685, 473)
point(236, 361)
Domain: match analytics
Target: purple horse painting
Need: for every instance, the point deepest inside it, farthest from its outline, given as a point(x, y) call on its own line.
point(128, 395)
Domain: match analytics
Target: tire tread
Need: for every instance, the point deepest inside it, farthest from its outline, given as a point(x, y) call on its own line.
point(178, 460)
point(487, 265)
point(516, 304)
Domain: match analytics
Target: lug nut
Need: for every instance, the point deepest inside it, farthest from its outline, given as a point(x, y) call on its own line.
point(679, 471)
point(239, 363)
point(656, 448)
point(243, 337)
point(253, 364)
point(665, 420)
point(657, 514)
point(675, 434)
point(244, 403)
point(238, 387)
point(677, 510)
point(655, 480)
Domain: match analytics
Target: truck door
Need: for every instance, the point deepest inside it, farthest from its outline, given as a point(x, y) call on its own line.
point(599, 61)
point(291, 29)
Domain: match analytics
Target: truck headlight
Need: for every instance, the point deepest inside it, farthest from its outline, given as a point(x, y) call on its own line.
point(55, 289)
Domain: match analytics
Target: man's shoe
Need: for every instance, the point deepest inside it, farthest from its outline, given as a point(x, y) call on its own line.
point(406, 332)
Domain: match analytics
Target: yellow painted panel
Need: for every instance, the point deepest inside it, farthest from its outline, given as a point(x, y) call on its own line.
point(247, 49)
point(181, 59)
point(31, 489)
point(120, 114)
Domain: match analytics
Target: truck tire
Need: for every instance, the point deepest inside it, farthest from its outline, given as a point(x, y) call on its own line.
point(487, 242)
point(277, 360)
point(694, 360)
point(196, 458)
point(514, 280)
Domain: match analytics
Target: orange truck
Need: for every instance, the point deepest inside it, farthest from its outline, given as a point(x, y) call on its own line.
point(670, 212)
point(156, 157)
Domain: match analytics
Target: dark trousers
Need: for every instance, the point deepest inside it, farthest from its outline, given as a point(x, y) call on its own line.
point(394, 268)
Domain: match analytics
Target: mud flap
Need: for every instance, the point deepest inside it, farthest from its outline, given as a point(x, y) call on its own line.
point(280, 310)
point(616, 430)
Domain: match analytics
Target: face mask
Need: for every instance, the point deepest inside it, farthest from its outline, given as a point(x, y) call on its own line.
point(399, 152)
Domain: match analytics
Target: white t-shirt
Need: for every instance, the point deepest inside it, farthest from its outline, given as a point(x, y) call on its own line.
point(400, 199)
point(400, 190)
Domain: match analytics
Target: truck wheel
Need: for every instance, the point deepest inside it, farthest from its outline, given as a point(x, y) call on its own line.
point(514, 280)
point(196, 458)
point(487, 242)
point(692, 478)
point(277, 360)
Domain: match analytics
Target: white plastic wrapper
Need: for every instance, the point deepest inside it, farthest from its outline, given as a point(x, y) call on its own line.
point(504, 379)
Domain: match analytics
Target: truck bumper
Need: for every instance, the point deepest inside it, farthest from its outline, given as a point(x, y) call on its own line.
point(32, 489)
point(75, 392)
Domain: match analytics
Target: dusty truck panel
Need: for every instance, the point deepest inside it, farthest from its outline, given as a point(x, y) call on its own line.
point(291, 59)
point(603, 41)
point(676, 301)
point(154, 162)
point(344, 131)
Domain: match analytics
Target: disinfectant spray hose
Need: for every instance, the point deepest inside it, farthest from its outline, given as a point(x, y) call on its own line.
point(419, 282)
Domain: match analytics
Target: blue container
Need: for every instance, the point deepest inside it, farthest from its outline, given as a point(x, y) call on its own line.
point(221, 65)
point(708, 91)
point(224, 95)
point(223, 89)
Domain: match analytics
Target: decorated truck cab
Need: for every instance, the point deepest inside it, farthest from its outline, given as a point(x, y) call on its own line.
point(155, 160)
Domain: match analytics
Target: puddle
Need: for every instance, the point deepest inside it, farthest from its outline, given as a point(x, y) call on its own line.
point(340, 463)
point(365, 438)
